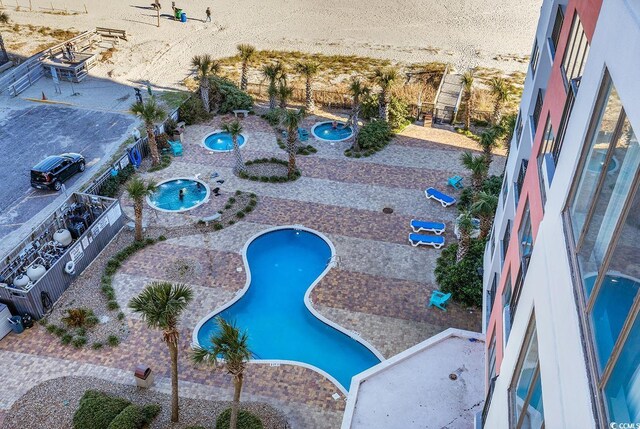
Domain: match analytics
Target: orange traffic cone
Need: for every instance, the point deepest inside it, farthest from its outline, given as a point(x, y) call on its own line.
point(44, 97)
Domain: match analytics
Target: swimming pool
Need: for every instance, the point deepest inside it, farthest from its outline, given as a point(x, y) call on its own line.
point(283, 265)
point(221, 141)
point(167, 195)
point(324, 131)
point(597, 160)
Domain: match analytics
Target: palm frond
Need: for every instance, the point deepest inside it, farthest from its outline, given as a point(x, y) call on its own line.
point(161, 303)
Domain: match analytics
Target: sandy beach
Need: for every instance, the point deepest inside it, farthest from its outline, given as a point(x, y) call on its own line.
point(465, 33)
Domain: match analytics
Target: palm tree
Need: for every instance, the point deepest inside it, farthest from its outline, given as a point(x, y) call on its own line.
point(4, 18)
point(291, 119)
point(161, 304)
point(205, 66)
point(465, 226)
point(234, 129)
point(150, 112)
point(501, 91)
point(477, 165)
point(273, 73)
point(138, 190)
point(485, 208)
point(488, 141)
point(467, 84)
point(246, 53)
point(231, 347)
point(385, 78)
point(284, 93)
point(308, 69)
point(358, 90)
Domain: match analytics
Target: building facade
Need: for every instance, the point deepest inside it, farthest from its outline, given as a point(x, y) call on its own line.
point(562, 266)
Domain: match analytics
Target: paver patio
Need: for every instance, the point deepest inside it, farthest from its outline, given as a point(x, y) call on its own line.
point(379, 289)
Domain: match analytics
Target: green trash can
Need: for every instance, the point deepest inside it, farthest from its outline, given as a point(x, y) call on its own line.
point(178, 13)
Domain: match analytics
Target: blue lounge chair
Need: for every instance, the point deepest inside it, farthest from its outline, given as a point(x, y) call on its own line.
point(436, 241)
point(303, 134)
point(421, 225)
point(439, 299)
point(455, 181)
point(444, 199)
point(176, 148)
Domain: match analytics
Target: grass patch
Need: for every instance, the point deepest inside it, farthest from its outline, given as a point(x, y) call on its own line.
point(173, 99)
point(165, 161)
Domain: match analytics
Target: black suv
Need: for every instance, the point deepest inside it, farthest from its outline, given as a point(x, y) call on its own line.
point(53, 170)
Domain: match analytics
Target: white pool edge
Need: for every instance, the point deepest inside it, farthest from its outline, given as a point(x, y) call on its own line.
point(193, 179)
point(204, 142)
point(317, 124)
point(307, 303)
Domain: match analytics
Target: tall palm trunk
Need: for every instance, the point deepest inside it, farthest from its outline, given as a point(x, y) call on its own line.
point(137, 209)
point(153, 146)
point(273, 92)
point(235, 405)
point(355, 117)
point(485, 226)
point(497, 112)
point(291, 148)
point(383, 106)
point(238, 156)
point(173, 352)
point(310, 102)
point(463, 245)
point(467, 112)
point(204, 94)
point(244, 80)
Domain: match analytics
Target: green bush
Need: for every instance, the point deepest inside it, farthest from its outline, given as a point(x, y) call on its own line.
point(113, 340)
point(97, 345)
point(398, 111)
point(246, 420)
point(491, 186)
point(111, 186)
point(113, 305)
point(373, 137)
point(230, 96)
point(461, 279)
point(273, 117)
point(97, 410)
point(192, 111)
point(165, 161)
point(135, 417)
point(66, 339)
point(79, 341)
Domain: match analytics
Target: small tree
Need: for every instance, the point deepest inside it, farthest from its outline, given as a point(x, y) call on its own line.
point(150, 113)
point(246, 53)
point(235, 129)
point(488, 141)
point(485, 208)
point(273, 72)
point(465, 226)
point(205, 66)
point(358, 90)
point(137, 191)
point(467, 85)
point(477, 166)
point(284, 93)
point(291, 119)
point(385, 78)
point(161, 305)
point(501, 92)
point(230, 347)
point(308, 69)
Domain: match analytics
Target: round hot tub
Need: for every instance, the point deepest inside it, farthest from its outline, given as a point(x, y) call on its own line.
point(331, 131)
point(179, 195)
point(221, 141)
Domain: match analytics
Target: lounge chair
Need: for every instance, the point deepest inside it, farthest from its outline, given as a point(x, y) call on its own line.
point(421, 225)
point(455, 181)
point(439, 299)
point(303, 134)
point(436, 241)
point(176, 148)
point(444, 199)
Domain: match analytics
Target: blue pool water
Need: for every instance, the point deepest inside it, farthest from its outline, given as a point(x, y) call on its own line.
point(597, 161)
point(167, 195)
point(283, 265)
point(327, 132)
point(222, 141)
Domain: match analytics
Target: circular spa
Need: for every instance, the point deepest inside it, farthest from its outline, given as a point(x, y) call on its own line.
point(179, 195)
point(598, 157)
point(221, 141)
point(331, 132)
point(283, 265)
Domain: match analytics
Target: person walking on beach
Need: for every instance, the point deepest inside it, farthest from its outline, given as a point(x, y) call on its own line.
point(208, 15)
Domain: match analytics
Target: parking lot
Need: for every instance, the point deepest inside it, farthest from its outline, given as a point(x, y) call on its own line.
point(30, 134)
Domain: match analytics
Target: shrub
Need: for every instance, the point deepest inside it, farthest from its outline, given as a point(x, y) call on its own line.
point(81, 332)
point(97, 346)
point(135, 417)
point(79, 341)
point(51, 329)
point(112, 185)
point(192, 111)
point(491, 186)
point(273, 117)
point(461, 279)
point(217, 226)
point(165, 161)
point(240, 215)
point(113, 340)
point(373, 137)
point(398, 113)
point(113, 305)
point(229, 95)
point(246, 420)
point(59, 331)
point(120, 315)
point(66, 339)
point(97, 410)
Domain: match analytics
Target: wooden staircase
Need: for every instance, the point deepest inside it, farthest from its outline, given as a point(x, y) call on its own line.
point(447, 98)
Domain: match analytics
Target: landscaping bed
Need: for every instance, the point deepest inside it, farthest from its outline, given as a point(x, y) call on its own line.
point(272, 170)
point(53, 403)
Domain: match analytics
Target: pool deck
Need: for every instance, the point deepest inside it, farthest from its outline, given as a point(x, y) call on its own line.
point(379, 289)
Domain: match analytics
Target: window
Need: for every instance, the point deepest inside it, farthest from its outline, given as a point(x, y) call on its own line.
point(492, 241)
point(505, 189)
point(545, 159)
point(537, 111)
point(491, 357)
point(506, 310)
point(518, 129)
point(505, 239)
point(527, 410)
point(491, 296)
point(515, 295)
point(535, 56)
point(566, 113)
point(605, 231)
point(576, 51)
point(521, 175)
point(525, 235)
point(555, 33)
